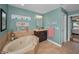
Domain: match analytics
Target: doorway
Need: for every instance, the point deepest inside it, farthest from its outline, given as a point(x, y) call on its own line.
point(75, 29)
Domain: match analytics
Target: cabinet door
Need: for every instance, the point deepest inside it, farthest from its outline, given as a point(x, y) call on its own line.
point(41, 34)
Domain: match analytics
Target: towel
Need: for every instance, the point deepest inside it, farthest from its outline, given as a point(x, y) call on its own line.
point(51, 32)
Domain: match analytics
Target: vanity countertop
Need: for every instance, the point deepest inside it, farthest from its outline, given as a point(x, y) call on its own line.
point(40, 29)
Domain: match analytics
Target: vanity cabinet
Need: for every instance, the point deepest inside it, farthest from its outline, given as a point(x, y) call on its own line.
point(41, 34)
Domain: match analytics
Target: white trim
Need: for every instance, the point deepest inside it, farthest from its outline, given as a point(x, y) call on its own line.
point(68, 39)
point(69, 33)
point(54, 43)
point(65, 28)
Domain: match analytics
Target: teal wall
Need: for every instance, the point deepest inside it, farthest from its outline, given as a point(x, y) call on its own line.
point(73, 12)
point(19, 11)
point(56, 17)
point(4, 7)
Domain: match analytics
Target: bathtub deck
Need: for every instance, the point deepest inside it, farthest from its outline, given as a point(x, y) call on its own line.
point(67, 48)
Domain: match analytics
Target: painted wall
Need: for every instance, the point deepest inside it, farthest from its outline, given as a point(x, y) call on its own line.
point(73, 12)
point(54, 19)
point(19, 11)
point(4, 7)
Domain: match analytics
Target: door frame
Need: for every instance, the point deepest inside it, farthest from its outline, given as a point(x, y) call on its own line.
point(65, 28)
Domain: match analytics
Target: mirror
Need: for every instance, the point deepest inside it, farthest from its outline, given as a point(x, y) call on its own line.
point(3, 20)
point(39, 21)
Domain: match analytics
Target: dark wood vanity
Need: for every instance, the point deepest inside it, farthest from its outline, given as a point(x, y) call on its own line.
point(42, 34)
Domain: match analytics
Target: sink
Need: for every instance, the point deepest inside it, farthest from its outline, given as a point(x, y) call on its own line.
point(40, 29)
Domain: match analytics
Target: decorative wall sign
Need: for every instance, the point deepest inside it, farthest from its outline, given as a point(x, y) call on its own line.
point(20, 17)
point(22, 22)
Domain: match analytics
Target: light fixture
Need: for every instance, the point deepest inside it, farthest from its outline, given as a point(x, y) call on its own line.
point(38, 17)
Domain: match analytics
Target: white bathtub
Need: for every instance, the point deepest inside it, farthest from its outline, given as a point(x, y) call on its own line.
point(22, 45)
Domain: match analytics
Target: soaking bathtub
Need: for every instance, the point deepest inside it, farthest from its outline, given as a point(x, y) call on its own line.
point(22, 45)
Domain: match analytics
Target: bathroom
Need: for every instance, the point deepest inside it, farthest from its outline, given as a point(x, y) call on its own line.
point(23, 23)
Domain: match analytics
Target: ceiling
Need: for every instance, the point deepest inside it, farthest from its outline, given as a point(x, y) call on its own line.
point(44, 8)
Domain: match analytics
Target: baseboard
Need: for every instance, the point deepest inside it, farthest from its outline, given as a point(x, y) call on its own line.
point(55, 43)
point(68, 40)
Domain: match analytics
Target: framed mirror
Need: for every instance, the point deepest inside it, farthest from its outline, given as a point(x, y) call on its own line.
point(3, 20)
point(39, 21)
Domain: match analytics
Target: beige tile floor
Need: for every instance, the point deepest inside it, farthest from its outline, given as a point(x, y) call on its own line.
point(46, 47)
